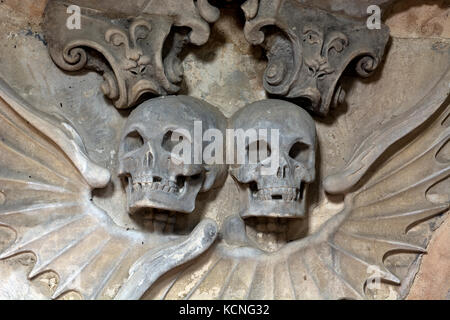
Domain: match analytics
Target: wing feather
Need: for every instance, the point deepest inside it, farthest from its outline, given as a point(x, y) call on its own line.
point(283, 284)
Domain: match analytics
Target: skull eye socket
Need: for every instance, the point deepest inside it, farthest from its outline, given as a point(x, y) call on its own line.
point(299, 152)
point(171, 139)
point(133, 141)
point(258, 151)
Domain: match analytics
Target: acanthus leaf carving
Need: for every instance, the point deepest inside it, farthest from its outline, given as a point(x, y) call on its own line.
point(308, 49)
point(139, 41)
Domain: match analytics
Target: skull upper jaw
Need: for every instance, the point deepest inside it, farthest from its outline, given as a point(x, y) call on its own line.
point(144, 196)
point(280, 202)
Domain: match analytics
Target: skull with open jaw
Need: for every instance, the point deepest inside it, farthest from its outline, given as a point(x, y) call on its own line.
point(159, 182)
point(270, 201)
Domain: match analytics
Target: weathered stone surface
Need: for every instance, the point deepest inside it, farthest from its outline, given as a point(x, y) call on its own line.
point(226, 72)
point(420, 19)
point(433, 279)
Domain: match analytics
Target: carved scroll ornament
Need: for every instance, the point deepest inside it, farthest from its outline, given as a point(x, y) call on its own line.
point(134, 37)
point(309, 48)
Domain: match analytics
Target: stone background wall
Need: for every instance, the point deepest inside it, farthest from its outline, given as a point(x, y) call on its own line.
point(227, 73)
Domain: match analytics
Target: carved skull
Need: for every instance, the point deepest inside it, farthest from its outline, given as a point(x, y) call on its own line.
point(155, 177)
point(279, 195)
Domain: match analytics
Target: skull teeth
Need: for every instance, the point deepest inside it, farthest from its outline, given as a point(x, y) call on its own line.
point(165, 186)
point(282, 193)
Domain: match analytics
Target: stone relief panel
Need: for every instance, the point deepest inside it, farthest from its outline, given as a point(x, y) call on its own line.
point(349, 194)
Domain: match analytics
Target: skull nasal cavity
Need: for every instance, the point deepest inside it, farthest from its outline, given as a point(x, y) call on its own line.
point(133, 141)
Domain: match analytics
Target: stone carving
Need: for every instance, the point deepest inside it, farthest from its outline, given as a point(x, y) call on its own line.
point(155, 178)
point(339, 260)
point(46, 188)
point(270, 201)
point(140, 41)
point(48, 181)
point(61, 132)
point(387, 135)
point(309, 48)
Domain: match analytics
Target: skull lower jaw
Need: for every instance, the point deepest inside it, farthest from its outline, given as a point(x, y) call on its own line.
point(159, 200)
point(269, 234)
point(270, 213)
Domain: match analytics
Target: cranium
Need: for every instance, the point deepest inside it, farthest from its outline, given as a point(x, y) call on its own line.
point(281, 195)
point(155, 177)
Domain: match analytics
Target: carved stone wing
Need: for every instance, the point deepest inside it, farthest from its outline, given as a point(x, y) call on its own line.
point(45, 198)
point(337, 262)
point(408, 189)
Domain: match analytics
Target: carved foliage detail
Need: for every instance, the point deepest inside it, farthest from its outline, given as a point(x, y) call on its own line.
point(308, 49)
point(133, 45)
